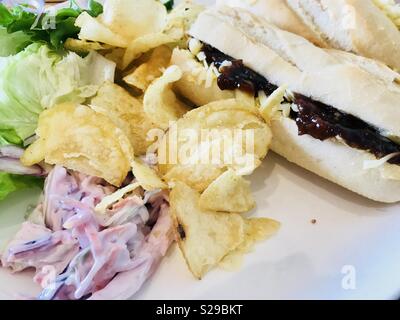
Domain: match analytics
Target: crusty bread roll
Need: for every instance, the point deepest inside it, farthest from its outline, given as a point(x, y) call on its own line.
point(285, 58)
point(358, 86)
point(334, 161)
point(279, 13)
point(357, 26)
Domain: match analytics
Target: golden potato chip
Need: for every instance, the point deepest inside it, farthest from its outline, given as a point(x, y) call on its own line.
point(221, 113)
point(144, 44)
point(160, 102)
point(229, 192)
point(83, 46)
point(134, 18)
point(81, 139)
point(146, 176)
point(182, 160)
point(93, 30)
point(244, 98)
point(116, 55)
point(34, 153)
point(181, 18)
point(208, 140)
point(126, 112)
point(230, 114)
point(204, 237)
point(173, 30)
point(147, 72)
point(192, 84)
point(136, 25)
point(197, 176)
point(256, 230)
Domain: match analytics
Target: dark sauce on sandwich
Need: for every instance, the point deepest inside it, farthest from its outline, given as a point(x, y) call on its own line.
point(323, 122)
point(236, 75)
point(312, 118)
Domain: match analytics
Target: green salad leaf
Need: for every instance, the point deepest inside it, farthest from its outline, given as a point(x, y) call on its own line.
point(6, 17)
point(53, 28)
point(36, 73)
point(95, 8)
point(12, 43)
point(10, 183)
point(8, 137)
point(39, 78)
point(169, 4)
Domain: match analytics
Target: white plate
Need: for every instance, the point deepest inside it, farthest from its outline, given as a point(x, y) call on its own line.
point(351, 252)
point(303, 260)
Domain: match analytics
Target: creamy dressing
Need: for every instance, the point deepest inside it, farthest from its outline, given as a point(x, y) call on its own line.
point(77, 251)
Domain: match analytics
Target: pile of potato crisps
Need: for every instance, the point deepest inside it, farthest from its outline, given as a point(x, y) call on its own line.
point(161, 93)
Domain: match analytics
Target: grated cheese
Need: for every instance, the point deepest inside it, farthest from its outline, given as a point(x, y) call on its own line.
point(391, 9)
point(115, 197)
point(372, 164)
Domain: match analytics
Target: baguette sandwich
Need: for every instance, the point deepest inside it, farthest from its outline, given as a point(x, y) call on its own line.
point(369, 28)
point(333, 113)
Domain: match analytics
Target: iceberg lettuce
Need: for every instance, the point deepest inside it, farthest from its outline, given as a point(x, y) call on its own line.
point(12, 43)
point(10, 183)
point(38, 78)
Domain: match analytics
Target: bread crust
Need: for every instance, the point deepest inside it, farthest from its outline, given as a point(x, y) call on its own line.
point(279, 13)
point(284, 58)
point(359, 87)
point(357, 26)
point(333, 160)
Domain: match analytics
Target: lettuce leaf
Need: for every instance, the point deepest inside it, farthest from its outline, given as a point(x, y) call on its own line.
point(53, 28)
point(169, 4)
point(12, 43)
point(9, 137)
point(39, 78)
point(95, 8)
point(10, 183)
